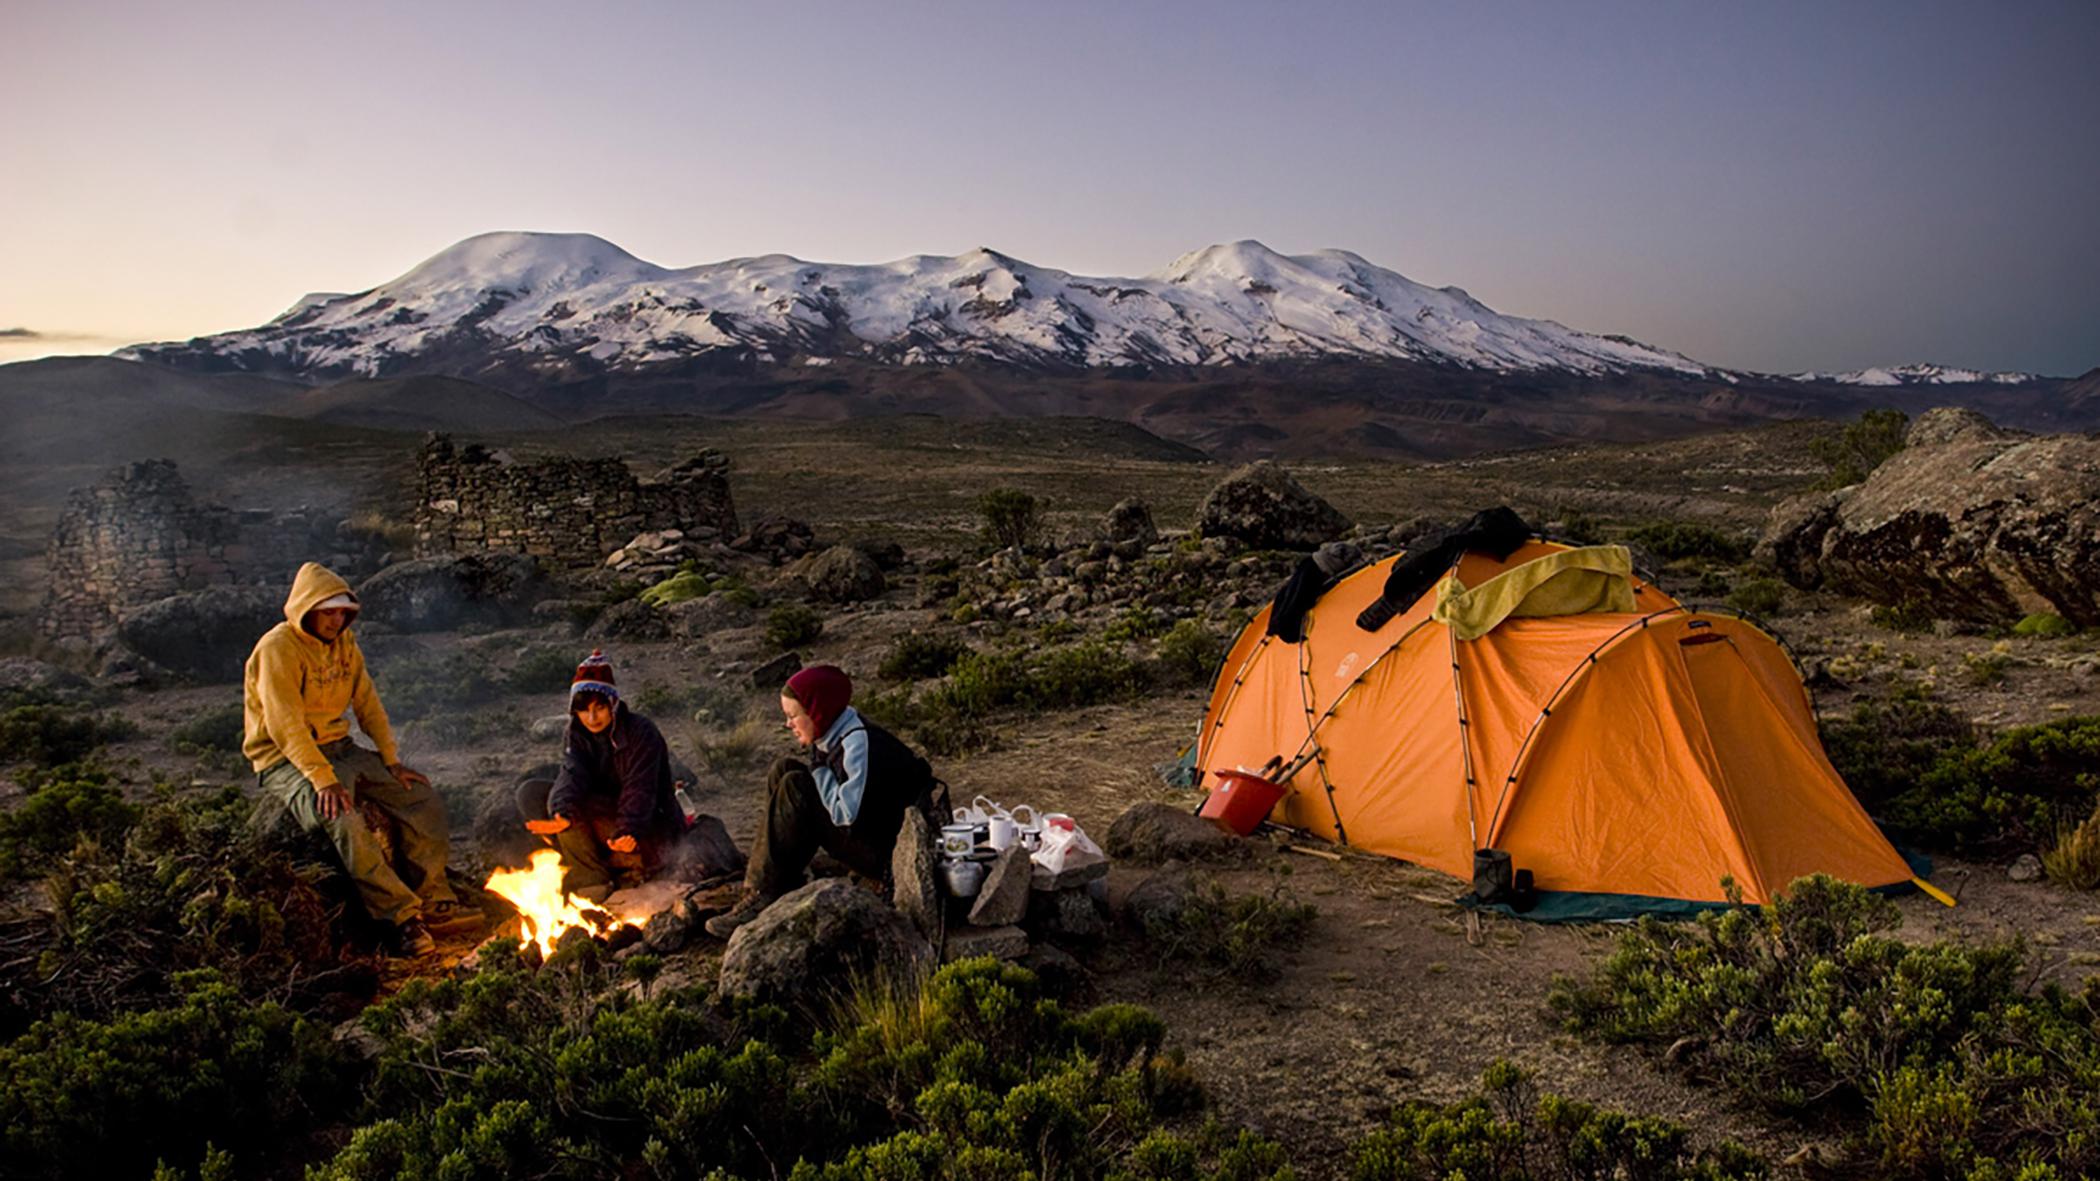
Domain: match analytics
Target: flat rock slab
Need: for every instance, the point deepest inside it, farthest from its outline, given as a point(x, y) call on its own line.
point(818, 939)
point(1079, 869)
point(1003, 899)
point(1151, 833)
point(1004, 943)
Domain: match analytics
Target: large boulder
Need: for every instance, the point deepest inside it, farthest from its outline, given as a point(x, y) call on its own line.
point(1968, 521)
point(444, 592)
point(1152, 833)
point(25, 680)
point(1262, 505)
point(1130, 520)
point(841, 574)
point(811, 944)
point(205, 635)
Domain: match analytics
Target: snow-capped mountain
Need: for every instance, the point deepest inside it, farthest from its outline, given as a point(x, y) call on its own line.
point(1922, 374)
point(568, 305)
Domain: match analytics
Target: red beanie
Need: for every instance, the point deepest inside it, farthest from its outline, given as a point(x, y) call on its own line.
point(824, 690)
point(594, 675)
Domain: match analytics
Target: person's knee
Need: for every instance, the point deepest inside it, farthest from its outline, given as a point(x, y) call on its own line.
point(532, 798)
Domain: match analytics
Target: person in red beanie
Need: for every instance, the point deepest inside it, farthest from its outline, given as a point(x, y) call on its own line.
point(848, 799)
point(612, 810)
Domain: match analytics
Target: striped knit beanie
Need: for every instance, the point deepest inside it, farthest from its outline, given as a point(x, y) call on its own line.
point(594, 675)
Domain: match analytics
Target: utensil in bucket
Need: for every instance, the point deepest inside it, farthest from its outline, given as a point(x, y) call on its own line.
point(1243, 799)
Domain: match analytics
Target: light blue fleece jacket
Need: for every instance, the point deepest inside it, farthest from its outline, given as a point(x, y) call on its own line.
point(841, 766)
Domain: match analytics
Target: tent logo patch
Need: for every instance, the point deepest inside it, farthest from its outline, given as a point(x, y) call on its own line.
point(1347, 666)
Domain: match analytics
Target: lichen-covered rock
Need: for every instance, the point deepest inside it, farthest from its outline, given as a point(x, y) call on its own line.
point(1266, 507)
point(1003, 899)
point(1971, 523)
point(811, 943)
point(205, 635)
point(1150, 833)
point(841, 574)
point(442, 593)
point(915, 890)
point(697, 619)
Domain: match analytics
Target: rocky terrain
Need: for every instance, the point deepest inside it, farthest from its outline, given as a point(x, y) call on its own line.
point(1125, 567)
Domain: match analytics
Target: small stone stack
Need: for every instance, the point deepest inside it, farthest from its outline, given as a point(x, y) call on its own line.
point(1020, 900)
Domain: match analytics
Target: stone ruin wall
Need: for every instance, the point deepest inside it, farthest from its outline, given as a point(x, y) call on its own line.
point(566, 511)
point(140, 536)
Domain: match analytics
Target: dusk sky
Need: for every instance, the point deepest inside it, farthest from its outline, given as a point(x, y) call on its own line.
point(1766, 186)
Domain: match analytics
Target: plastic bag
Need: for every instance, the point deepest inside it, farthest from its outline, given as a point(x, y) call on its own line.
point(1062, 847)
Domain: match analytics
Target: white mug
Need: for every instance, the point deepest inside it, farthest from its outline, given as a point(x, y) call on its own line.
point(1003, 833)
point(957, 839)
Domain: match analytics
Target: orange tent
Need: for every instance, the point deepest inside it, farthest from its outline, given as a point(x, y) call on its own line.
point(1630, 759)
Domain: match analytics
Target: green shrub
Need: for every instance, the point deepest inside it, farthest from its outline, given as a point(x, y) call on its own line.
point(1081, 675)
point(918, 656)
point(415, 685)
point(1855, 450)
point(220, 730)
point(185, 886)
point(108, 1098)
point(75, 803)
point(1987, 668)
point(1912, 617)
point(1580, 528)
point(972, 1073)
point(1190, 653)
point(1885, 748)
point(541, 669)
point(737, 591)
point(1933, 1054)
point(1134, 624)
point(1762, 597)
point(1681, 540)
point(791, 625)
point(48, 735)
point(2044, 624)
point(1508, 1129)
point(2009, 795)
point(1220, 933)
point(1011, 518)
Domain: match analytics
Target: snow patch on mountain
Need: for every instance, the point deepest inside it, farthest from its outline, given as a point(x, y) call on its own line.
point(1920, 374)
point(560, 302)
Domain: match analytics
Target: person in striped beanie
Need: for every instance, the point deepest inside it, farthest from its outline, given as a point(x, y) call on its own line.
point(612, 809)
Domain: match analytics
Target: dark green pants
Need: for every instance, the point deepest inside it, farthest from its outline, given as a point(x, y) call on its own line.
point(393, 891)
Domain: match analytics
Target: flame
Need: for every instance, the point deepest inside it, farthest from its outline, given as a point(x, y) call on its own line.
point(543, 909)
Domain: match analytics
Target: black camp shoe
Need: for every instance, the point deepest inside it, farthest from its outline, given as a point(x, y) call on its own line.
point(750, 906)
point(411, 941)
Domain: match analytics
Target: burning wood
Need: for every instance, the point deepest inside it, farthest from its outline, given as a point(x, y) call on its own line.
point(545, 911)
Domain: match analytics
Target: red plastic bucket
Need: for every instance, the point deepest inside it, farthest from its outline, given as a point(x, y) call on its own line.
point(1242, 800)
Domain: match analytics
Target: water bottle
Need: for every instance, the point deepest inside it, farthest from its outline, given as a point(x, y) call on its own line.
point(686, 806)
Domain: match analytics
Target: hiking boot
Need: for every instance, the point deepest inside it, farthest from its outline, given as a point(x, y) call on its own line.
point(750, 906)
point(411, 941)
point(451, 918)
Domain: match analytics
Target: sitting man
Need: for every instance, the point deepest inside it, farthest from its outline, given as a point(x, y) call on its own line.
point(301, 677)
point(848, 800)
point(612, 809)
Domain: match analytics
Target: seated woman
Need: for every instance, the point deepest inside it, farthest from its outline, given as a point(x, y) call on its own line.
point(849, 799)
point(612, 809)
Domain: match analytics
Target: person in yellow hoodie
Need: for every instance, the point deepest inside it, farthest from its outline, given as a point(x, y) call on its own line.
point(303, 676)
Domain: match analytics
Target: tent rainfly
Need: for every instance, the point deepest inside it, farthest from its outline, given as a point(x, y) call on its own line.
point(1629, 751)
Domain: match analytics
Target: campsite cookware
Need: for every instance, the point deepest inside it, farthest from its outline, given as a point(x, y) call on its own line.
point(1028, 833)
point(957, 840)
point(964, 876)
point(1243, 799)
point(1002, 832)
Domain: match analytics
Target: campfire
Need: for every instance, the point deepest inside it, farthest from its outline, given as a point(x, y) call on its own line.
point(545, 912)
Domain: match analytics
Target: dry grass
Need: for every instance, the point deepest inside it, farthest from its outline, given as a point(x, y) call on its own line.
point(2075, 860)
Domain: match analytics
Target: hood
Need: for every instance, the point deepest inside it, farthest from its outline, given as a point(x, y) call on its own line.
point(313, 585)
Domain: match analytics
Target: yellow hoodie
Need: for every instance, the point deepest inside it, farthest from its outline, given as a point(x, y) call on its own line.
point(297, 688)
